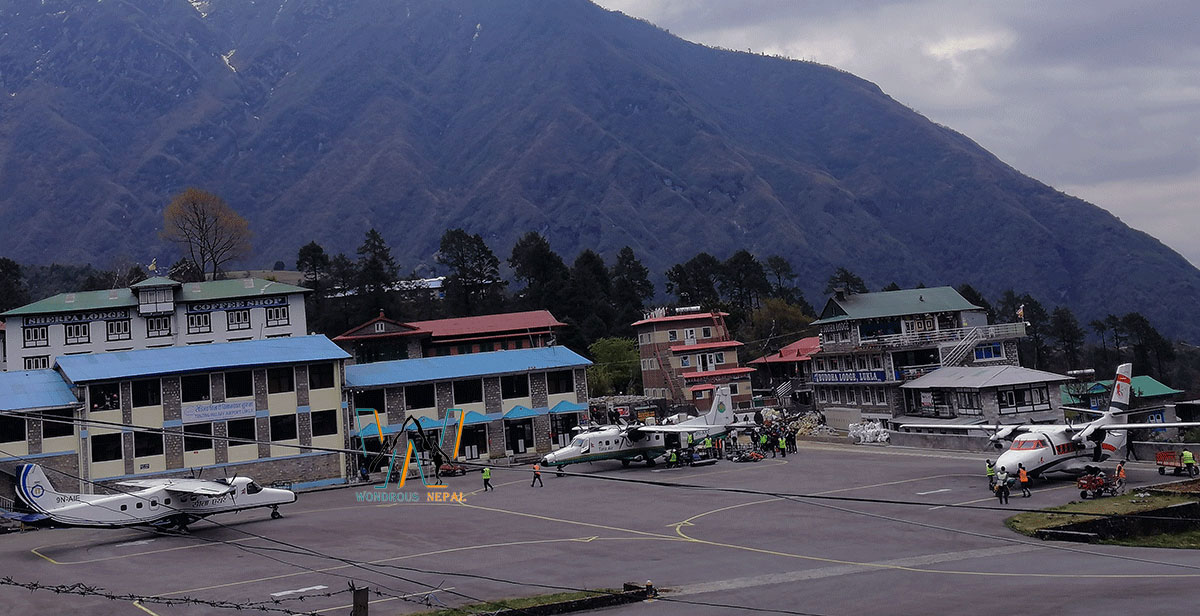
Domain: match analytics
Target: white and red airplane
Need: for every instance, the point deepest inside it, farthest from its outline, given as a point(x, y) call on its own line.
point(1066, 448)
point(170, 501)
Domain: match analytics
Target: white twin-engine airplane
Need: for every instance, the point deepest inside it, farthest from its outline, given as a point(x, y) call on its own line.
point(634, 442)
point(167, 501)
point(1064, 448)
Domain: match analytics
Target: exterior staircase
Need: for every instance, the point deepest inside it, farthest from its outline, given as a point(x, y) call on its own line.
point(961, 350)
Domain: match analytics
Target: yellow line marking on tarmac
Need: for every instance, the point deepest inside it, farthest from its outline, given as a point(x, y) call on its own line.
point(122, 556)
point(408, 556)
point(138, 605)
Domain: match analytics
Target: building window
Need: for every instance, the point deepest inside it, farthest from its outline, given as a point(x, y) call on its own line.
point(835, 395)
point(862, 362)
point(514, 386)
point(822, 395)
point(733, 389)
point(699, 395)
point(380, 327)
point(969, 400)
point(706, 332)
point(719, 358)
point(324, 423)
point(320, 376)
point(672, 335)
point(280, 380)
point(38, 362)
point(117, 330)
point(277, 315)
point(194, 388)
point(689, 334)
point(147, 444)
point(466, 392)
point(36, 336)
point(283, 427)
point(685, 361)
point(560, 382)
point(199, 323)
point(197, 437)
point(106, 447)
point(419, 396)
point(643, 338)
point(240, 429)
point(78, 333)
point(238, 319)
point(877, 362)
point(989, 350)
point(58, 422)
point(106, 397)
point(820, 365)
point(158, 327)
point(239, 384)
point(12, 429)
point(147, 393)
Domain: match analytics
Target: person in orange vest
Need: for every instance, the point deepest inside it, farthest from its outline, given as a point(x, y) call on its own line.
point(1023, 477)
point(537, 476)
point(1121, 476)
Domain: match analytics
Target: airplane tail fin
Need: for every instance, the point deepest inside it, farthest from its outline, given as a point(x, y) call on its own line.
point(1119, 404)
point(721, 412)
point(35, 488)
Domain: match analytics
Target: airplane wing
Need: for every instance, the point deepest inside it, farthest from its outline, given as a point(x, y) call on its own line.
point(200, 487)
point(1150, 426)
point(675, 429)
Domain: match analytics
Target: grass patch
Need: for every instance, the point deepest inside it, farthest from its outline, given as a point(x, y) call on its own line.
point(518, 603)
point(1189, 541)
point(1029, 523)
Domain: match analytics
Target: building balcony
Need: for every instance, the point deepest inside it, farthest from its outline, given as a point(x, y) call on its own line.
point(936, 338)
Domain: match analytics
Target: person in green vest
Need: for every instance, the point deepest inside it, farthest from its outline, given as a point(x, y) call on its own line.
point(673, 460)
point(708, 445)
point(487, 479)
point(783, 446)
point(1189, 461)
point(691, 440)
point(991, 474)
point(762, 441)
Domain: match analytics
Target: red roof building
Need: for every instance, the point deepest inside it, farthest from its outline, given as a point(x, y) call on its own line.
point(789, 370)
point(687, 354)
point(382, 339)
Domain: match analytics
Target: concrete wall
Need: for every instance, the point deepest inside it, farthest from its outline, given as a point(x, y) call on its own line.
point(959, 442)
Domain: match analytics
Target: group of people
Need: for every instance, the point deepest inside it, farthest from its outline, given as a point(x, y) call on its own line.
point(774, 440)
point(1000, 481)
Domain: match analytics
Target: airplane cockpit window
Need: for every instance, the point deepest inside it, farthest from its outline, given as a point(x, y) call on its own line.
point(1028, 445)
point(253, 488)
point(578, 442)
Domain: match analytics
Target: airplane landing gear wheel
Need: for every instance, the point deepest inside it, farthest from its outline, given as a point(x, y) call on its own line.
point(1162, 470)
point(650, 461)
point(275, 515)
point(181, 522)
point(625, 463)
point(560, 472)
point(1083, 494)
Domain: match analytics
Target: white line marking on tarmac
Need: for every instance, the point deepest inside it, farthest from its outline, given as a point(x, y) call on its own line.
point(284, 593)
point(133, 543)
point(839, 570)
point(933, 491)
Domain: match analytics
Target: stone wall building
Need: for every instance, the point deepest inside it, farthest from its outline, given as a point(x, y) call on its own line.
point(687, 354)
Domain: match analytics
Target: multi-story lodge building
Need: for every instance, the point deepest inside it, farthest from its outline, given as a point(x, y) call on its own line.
point(155, 313)
point(687, 354)
point(384, 339)
point(872, 343)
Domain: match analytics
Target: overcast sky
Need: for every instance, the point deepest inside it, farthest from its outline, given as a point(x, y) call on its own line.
point(1100, 99)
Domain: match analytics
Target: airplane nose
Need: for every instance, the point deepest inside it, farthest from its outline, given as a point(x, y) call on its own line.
point(546, 461)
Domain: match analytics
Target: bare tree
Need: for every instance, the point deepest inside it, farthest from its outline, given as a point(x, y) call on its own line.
point(209, 231)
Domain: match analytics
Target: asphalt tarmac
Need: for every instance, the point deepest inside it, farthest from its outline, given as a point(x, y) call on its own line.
point(725, 550)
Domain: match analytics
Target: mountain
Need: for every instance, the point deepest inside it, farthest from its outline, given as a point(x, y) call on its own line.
point(317, 119)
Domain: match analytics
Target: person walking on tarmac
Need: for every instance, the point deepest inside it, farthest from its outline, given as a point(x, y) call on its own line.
point(1121, 477)
point(991, 474)
point(487, 479)
point(783, 446)
point(762, 441)
point(1002, 486)
point(437, 465)
point(708, 447)
point(537, 476)
point(691, 440)
point(1023, 477)
point(1189, 461)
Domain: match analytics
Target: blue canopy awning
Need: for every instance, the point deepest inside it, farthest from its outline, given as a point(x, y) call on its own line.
point(372, 430)
point(428, 423)
point(473, 418)
point(522, 412)
point(568, 407)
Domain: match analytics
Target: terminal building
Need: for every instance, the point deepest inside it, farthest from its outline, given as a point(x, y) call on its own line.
point(155, 313)
point(252, 408)
point(514, 404)
point(872, 343)
point(687, 354)
point(384, 339)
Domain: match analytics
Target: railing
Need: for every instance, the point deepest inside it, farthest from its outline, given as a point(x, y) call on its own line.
point(985, 332)
point(5, 504)
point(964, 346)
point(908, 373)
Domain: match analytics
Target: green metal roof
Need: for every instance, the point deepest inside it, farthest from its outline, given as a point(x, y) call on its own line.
point(157, 281)
point(123, 298)
point(237, 287)
point(1143, 386)
point(893, 304)
point(72, 302)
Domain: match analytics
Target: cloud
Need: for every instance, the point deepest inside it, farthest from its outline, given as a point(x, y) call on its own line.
point(1100, 99)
